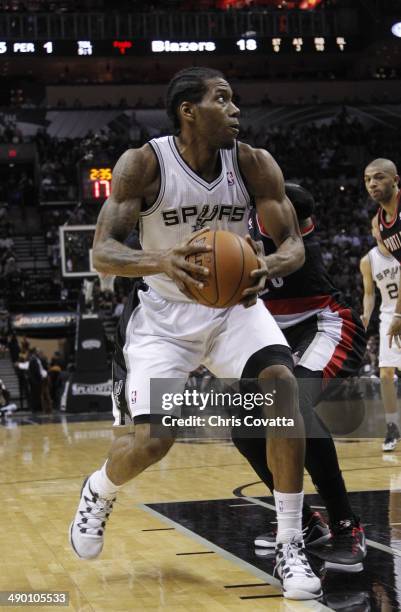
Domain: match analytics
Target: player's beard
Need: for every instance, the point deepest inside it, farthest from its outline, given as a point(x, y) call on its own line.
point(386, 196)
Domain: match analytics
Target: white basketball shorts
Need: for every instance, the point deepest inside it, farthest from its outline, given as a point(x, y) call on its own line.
point(169, 340)
point(388, 357)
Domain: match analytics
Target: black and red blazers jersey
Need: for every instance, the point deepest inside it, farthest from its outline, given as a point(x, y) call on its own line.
point(391, 231)
point(304, 293)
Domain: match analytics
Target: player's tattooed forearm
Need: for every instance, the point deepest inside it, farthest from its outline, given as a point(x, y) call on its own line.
point(113, 257)
point(126, 175)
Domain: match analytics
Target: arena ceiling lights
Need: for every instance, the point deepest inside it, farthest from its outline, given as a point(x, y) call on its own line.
point(282, 4)
point(396, 29)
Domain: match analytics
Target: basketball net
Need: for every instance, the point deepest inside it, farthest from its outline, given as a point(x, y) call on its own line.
point(106, 282)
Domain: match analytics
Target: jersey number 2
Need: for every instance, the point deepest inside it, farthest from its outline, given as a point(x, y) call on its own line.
point(392, 289)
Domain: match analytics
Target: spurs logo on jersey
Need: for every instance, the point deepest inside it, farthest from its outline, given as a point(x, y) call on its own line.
point(186, 202)
point(389, 273)
point(200, 216)
point(386, 274)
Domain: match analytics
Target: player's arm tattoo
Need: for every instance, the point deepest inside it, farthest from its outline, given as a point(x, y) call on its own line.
point(136, 180)
point(266, 183)
point(132, 175)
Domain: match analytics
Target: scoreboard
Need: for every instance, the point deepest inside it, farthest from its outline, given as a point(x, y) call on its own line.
point(94, 182)
point(147, 47)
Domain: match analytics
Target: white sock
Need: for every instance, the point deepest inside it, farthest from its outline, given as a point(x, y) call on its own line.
point(102, 485)
point(391, 417)
point(289, 515)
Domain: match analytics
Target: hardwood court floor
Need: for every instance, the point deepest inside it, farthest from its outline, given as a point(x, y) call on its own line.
point(148, 563)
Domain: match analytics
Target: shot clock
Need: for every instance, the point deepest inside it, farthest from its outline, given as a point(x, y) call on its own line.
point(95, 182)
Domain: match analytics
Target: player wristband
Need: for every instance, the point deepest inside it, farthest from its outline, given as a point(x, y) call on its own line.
point(397, 315)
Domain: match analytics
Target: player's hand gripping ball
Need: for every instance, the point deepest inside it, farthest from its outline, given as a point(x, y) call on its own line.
point(230, 263)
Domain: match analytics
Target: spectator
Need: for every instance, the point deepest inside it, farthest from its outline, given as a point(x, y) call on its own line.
point(119, 307)
point(14, 348)
point(55, 379)
point(46, 399)
point(36, 374)
point(6, 405)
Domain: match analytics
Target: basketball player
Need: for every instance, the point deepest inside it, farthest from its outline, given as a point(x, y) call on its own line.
point(172, 186)
point(328, 342)
point(382, 184)
point(379, 267)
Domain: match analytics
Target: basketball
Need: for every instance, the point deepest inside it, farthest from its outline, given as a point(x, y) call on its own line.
point(230, 264)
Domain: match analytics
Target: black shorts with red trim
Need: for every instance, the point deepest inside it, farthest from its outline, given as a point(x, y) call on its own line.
point(331, 342)
point(327, 348)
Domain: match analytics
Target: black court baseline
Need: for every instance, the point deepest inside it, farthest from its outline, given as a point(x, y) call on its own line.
point(228, 528)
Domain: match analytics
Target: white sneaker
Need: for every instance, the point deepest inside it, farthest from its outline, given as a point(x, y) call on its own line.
point(87, 528)
point(295, 573)
point(392, 438)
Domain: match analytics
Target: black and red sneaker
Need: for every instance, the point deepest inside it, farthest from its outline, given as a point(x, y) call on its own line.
point(347, 548)
point(314, 529)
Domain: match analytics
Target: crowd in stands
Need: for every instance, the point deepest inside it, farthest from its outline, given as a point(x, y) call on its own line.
point(24, 284)
point(9, 270)
point(262, 70)
point(114, 73)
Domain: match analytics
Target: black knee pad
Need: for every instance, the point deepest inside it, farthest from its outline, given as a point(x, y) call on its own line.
point(276, 354)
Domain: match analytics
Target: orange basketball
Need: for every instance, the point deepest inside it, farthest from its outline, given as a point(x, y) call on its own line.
point(230, 263)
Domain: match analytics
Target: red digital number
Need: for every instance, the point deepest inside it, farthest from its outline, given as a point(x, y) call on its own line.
point(101, 189)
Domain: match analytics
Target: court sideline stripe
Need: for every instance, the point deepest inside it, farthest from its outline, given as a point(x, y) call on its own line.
point(372, 543)
point(160, 529)
point(243, 586)
point(199, 552)
point(258, 596)
point(312, 605)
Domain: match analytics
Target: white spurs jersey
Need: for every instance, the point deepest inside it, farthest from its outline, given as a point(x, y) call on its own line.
point(186, 203)
point(386, 274)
